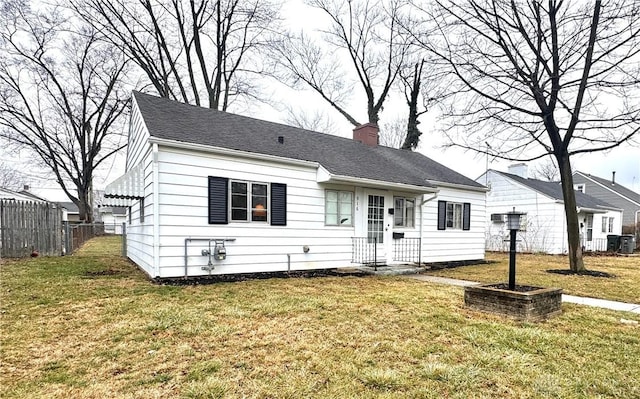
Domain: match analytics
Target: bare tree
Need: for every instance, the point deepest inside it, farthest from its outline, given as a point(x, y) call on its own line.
point(412, 83)
point(541, 78)
point(366, 33)
point(11, 177)
point(317, 121)
point(393, 133)
point(60, 95)
point(201, 52)
point(546, 170)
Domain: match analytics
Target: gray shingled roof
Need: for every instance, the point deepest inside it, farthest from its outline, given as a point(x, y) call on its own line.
point(171, 120)
point(622, 190)
point(554, 190)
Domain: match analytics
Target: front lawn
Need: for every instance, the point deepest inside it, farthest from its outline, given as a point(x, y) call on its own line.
point(531, 269)
point(91, 326)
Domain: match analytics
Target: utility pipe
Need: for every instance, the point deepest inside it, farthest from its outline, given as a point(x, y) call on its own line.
point(187, 240)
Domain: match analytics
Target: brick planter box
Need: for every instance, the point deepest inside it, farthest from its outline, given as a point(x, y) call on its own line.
point(526, 303)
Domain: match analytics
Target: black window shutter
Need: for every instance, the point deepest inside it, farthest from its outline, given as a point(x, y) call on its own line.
point(218, 200)
point(442, 215)
point(278, 204)
point(466, 216)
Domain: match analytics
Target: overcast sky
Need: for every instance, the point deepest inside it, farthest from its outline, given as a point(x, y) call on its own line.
point(625, 160)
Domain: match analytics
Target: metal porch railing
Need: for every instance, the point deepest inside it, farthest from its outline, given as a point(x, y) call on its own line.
point(407, 250)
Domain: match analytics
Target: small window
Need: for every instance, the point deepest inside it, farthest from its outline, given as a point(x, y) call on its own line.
point(404, 212)
point(579, 187)
point(454, 216)
point(338, 208)
point(497, 218)
point(607, 224)
point(243, 201)
point(142, 210)
point(249, 202)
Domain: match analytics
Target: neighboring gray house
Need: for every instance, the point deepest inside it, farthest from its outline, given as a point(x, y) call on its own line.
point(264, 197)
point(612, 193)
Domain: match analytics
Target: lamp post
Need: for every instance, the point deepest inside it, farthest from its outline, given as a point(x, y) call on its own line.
point(513, 224)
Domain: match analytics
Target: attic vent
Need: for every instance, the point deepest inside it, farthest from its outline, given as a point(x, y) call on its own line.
point(281, 139)
point(497, 218)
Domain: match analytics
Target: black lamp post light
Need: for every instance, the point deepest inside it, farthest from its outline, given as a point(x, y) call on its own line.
point(513, 224)
point(525, 303)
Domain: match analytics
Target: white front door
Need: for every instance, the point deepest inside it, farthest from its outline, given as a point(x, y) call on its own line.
point(378, 225)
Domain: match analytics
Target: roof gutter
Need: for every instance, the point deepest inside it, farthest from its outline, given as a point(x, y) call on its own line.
point(231, 152)
point(379, 184)
point(459, 186)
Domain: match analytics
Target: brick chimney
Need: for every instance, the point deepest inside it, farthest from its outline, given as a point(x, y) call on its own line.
point(367, 134)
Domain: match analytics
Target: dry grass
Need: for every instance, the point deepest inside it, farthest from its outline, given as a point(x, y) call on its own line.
point(90, 326)
point(531, 269)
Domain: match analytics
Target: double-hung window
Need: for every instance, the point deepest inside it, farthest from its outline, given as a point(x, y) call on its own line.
point(338, 207)
point(249, 201)
point(404, 212)
point(454, 215)
point(243, 201)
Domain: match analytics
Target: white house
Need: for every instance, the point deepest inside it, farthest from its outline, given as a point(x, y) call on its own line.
point(544, 228)
point(112, 218)
point(211, 192)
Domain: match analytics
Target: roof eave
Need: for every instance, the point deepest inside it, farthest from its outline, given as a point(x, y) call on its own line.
point(227, 151)
point(458, 186)
point(326, 177)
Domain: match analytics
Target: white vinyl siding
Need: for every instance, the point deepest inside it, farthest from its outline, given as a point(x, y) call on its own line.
point(258, 246)
point(451, 245)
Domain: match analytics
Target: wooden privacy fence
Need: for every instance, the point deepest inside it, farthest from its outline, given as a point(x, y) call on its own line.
point(27, 226)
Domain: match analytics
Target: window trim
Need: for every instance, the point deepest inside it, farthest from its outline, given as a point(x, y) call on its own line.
point(249, 208)
point(404, 224)
point(338, 224)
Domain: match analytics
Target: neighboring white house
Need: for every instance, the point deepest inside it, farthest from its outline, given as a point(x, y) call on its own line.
point(544, 228)
point(7, 194)
point(112, 217)
point(211, 192)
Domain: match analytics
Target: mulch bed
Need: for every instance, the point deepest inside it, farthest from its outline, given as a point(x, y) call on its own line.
point(589, 273)
point(230, 278)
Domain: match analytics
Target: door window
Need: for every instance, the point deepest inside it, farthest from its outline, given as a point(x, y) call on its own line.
point(375, 219)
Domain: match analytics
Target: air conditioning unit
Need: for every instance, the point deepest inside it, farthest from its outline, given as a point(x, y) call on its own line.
point(497, 218)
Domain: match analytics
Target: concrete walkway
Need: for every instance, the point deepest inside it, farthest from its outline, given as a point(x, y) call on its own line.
point(595, 302)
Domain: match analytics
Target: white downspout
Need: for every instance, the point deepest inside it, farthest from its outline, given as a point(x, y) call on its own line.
point(156, 210)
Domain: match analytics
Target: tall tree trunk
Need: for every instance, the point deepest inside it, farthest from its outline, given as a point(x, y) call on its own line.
point(576, 263)
point(85, 206)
